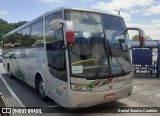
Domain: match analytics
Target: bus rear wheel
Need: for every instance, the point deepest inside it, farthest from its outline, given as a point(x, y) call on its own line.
point(41, 90)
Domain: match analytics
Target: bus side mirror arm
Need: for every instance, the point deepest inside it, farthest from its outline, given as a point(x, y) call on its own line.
point(141, 35)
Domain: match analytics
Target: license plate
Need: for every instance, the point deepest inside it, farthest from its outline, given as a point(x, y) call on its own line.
point(110, 96)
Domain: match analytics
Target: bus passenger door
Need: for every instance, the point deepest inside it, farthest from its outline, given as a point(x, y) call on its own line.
point(57, 74)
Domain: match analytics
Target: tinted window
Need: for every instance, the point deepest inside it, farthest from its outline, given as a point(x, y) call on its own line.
point(114, 26)
point(12, 40)
point(88, 54)
point(113, 23)
point(55, 52)
point(37, 34)
point(52, 27)
point(25, 40)
point(17, 40)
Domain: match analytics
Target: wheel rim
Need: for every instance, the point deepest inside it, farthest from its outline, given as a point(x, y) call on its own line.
point(41, 88)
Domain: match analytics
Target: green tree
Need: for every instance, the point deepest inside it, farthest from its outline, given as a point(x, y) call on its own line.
point(136, 37)
point(6, 27)
point(16, 25)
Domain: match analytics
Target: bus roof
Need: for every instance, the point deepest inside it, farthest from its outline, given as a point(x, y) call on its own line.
point(80, 9)
point(52, 11)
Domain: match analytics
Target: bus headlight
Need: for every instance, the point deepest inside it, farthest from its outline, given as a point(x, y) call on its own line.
point(79, 87)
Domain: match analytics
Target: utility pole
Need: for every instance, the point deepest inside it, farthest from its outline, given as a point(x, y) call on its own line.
point(119, 11)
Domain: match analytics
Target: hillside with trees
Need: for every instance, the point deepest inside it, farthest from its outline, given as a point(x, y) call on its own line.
point(136, 37)
point(6, 27)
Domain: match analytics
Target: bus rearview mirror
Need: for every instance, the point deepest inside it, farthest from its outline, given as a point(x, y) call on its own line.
point(141, 35)
point(69, 32)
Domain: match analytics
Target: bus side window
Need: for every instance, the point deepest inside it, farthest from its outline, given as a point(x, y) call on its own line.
point(11, 41)
point(25, 37)
point(17, 40)
point(37, 34)
point(54, 42)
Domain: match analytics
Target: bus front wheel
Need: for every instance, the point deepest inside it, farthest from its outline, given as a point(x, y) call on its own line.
point(41, 90)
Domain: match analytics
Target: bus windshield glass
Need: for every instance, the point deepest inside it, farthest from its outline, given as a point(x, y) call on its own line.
point(120, 61)
point(94, 53)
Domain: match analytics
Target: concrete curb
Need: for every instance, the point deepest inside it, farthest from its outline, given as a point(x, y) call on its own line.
point(2, 102)
point(13, 101)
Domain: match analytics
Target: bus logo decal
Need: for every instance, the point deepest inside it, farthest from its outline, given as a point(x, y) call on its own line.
point(99, 83)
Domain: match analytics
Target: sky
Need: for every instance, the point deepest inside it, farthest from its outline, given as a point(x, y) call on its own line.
point(144, 14)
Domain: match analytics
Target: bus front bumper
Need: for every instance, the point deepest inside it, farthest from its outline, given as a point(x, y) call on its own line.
point(78, 99)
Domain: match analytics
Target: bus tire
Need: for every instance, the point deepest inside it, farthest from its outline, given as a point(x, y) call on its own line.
point(9, 72)
point(41, 90)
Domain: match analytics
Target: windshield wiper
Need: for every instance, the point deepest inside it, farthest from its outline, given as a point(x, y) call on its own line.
point(122, 69)
point(102, 60)
point(108, 56)
point(111, 55)
point(99, 68)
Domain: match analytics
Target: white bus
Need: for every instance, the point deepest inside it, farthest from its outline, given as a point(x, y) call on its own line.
point(77, 57)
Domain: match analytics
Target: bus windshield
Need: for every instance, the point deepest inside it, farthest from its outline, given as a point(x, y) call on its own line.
point(120, 61)
point(96, 52)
